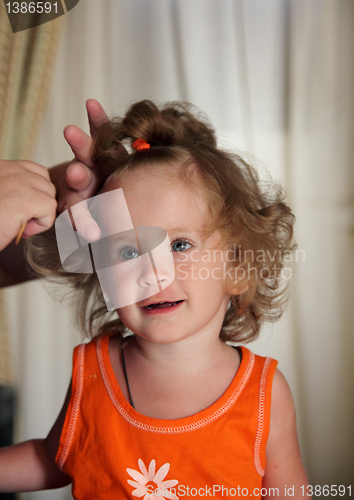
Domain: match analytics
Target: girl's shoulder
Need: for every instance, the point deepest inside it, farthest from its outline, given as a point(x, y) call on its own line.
point(281, 394)
point(284, 465)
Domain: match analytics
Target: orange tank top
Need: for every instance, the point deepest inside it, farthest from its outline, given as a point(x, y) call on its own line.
point(113, 452)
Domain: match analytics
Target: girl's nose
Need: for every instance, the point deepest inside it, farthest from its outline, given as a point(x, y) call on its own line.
point(147, 275)
point(159, 269)
point(165, 271)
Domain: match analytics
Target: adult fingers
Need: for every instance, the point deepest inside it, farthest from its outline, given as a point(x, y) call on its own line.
point(12, 167)
point(36, 181)
point(32, 228)
point(83, 222)
point(81, 144)
point(78, 176)
point(41, 214)
point(81, 181)
point(96, 115)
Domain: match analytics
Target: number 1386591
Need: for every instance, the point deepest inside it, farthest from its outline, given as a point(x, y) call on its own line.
point(326, 490)
point(31, 7)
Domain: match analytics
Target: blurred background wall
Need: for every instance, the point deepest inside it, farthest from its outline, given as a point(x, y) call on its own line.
point(276, 79)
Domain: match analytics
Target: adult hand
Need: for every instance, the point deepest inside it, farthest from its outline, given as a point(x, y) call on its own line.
point(26, 194)
point(81, 179)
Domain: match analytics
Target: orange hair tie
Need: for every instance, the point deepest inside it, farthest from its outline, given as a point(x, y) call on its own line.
point(140, 144)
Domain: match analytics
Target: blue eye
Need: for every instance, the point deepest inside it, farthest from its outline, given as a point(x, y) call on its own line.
point(180, 245)
point(129, 253)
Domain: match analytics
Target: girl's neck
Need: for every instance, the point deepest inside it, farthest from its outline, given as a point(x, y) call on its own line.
point(174, 380)
point(175, 383)
point(188, 355)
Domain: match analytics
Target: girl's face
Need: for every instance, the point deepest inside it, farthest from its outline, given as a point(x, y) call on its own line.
point(158, 197)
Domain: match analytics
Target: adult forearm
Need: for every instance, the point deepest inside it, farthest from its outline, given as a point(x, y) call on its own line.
point(13, 266)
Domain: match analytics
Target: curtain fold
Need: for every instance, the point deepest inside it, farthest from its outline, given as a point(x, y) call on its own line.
point(321, 126)
point(26, 64)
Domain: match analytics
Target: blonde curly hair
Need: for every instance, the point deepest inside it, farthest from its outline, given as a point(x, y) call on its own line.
point(255, 223)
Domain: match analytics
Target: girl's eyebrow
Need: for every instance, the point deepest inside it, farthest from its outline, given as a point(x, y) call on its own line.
point(180, 230)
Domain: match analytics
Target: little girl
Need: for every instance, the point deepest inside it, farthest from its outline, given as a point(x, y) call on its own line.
point(161, 405)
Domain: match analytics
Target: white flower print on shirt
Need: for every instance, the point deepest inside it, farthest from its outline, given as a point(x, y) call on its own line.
point(151, 485)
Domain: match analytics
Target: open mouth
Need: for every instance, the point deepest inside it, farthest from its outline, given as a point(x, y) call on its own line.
point(162, 305)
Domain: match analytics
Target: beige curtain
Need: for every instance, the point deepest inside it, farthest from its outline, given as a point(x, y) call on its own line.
point(26, 67)
point(320, 168)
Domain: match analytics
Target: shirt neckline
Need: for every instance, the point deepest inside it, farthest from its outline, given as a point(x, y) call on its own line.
point(171, 426)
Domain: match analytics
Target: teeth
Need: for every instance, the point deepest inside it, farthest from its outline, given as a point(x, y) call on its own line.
point(153, 306)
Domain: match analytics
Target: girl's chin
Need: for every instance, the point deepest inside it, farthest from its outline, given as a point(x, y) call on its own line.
point(159, 334)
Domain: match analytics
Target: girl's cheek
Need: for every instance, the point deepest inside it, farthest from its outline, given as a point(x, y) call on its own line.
point(208, 267)
point(185, 264)
point(180, 257)
point(182, 271)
